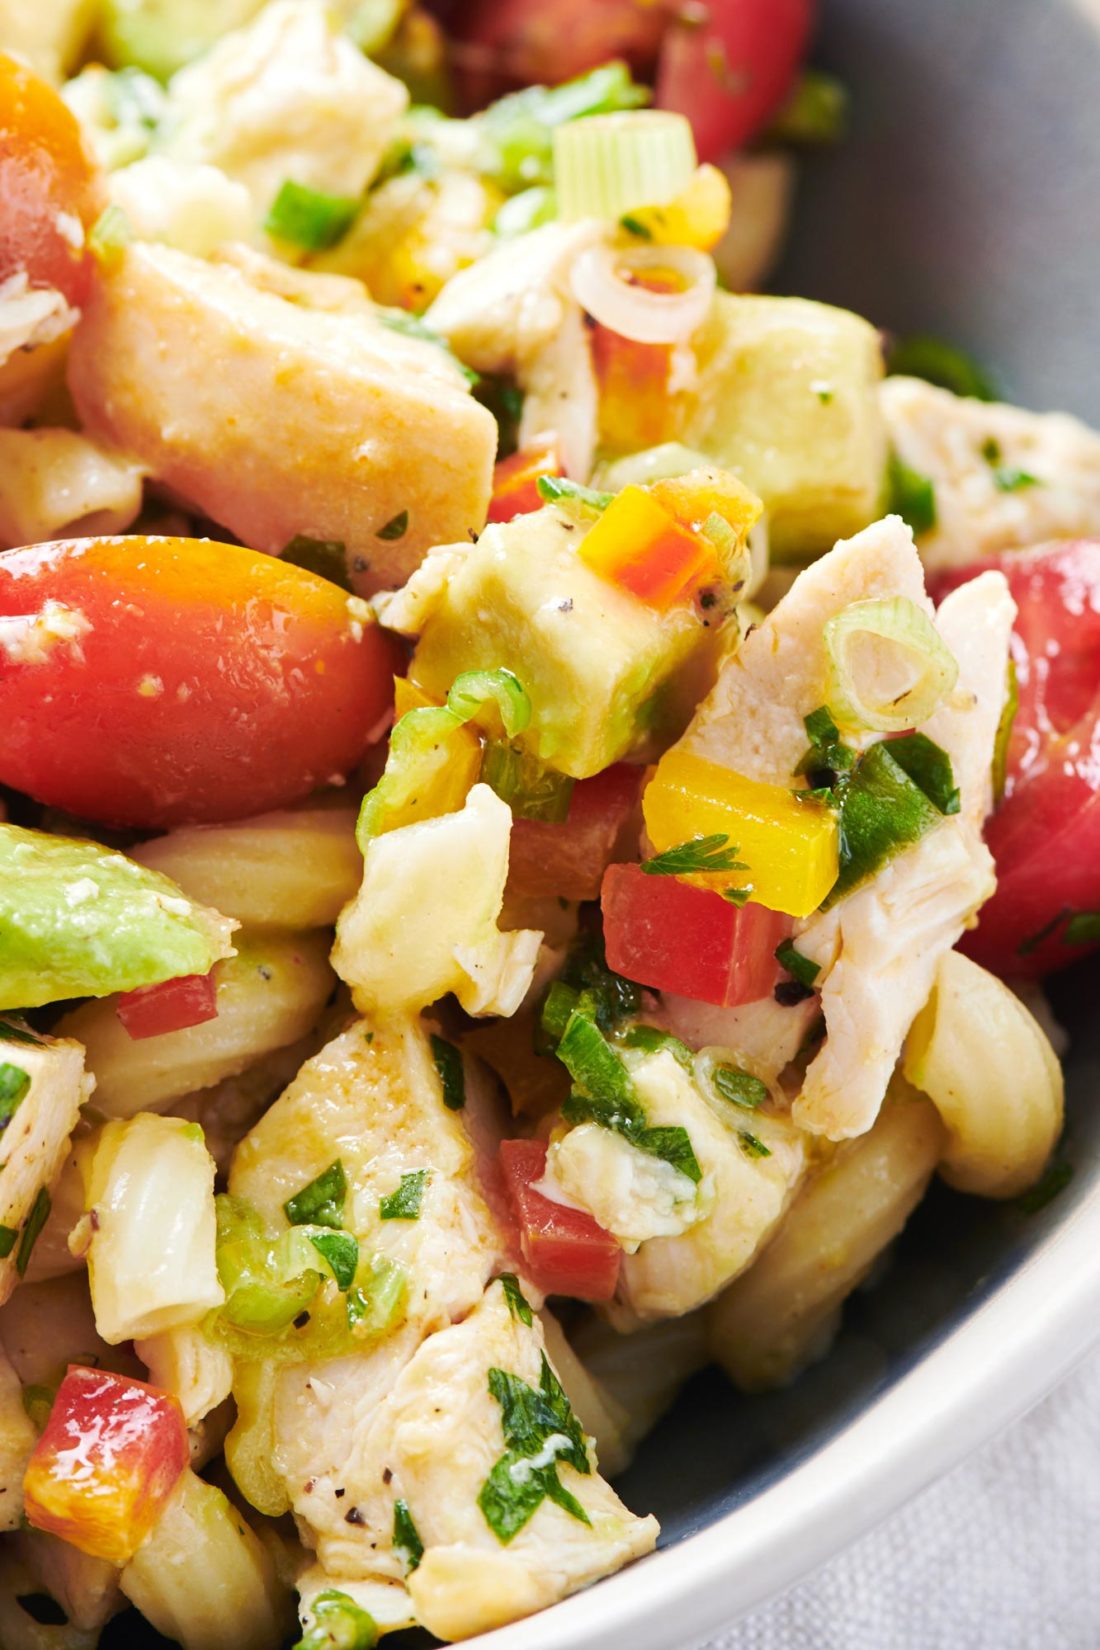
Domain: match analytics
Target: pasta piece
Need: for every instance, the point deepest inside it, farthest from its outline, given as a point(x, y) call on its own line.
point(770, 1323)
point(386, 1602)
point(291, 869)
point(86, 1588)
point(640, 1375)
point(17, 1439)
point(58, 484)
point(46, 1079)
point(987, 1066)
point(226, 1112)
point(269, 995)
point(425, 920)
point(204, 1579)
point(187, 1363)
point(18, 1628)
point(150, 1202)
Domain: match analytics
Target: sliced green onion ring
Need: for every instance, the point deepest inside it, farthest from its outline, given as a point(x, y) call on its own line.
point(607, 283)
point(888, 665)
point(608, 165)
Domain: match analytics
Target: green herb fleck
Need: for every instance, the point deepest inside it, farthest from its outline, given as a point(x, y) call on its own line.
point(8, 1235)
point(327, 558)
point(342, 1253)
point(10, 1033)
point(14, 1083)
point(538, 1426)
point(741, 1088)
point(635, 226)
point(557, 490)
point(321, 1203)
point(404, 1203)
point(911, 496)
point(308, 217)
point(882, 812)
point(406, 1537)
point(751, 1146)
point(1009, 479)
point(338, 1624)
point(410, 326)
point(448, 1063)
point(701, 855)
point(32, 1226)
point(395, 528)
point(1055, 1179)
point(929, 766)
point(518, 1305)
point(799, 967)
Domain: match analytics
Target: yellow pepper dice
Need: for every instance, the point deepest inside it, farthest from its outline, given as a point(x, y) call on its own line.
point(698, 217)
point(639, 544)
point(791, 848)
point(407, 696)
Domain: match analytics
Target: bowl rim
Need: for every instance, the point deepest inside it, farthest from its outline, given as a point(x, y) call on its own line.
point(1006, 1355)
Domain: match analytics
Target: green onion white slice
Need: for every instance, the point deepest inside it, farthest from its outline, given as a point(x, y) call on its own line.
point(607, 282)
point(609, 165)
point(888, 666)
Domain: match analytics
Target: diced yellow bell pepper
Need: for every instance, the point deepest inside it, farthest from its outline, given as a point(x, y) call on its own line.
point(700, 493)
point(791, 848)
point(698, 217)
point(407, 696)
point(639, 544)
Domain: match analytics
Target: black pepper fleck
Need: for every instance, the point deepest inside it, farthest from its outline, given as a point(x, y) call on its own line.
point(354, 1516)
point(301, 1320)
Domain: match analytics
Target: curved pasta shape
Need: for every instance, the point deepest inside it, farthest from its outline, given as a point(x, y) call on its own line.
point(771, 1321)
point(270, 994)
point(187, 1363)
point(150, 1199)
point(989, 1069)
point(56, 483)
point(289, 869)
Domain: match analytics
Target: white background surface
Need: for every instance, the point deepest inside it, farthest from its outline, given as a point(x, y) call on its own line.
point(1002, 1554)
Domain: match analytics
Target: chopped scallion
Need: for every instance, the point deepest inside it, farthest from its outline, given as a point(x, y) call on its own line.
point(308, 217)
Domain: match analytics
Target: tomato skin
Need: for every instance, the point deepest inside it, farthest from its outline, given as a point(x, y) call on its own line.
point(503, 44)
point(670, 936)
point(729, 73)
point(566, 1251)
point(568, 859)
point(173, 1005)
point(198, 682)
point(111, 1454)
point(44, 171)
point(1045, 834)
point(516, 480)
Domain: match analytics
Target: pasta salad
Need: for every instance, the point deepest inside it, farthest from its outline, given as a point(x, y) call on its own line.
point(538, 784)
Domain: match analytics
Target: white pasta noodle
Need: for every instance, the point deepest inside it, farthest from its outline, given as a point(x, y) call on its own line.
point(56, 484)
point(86, 1588)
point(17, 1437)
point(988, 1067)
point(185, 1362)
point(269, 995)
point(18, 1628)
point(639, 1375)
point(204, 1579)
point(280, 870)
point(771, 1322)
point(150, 1202)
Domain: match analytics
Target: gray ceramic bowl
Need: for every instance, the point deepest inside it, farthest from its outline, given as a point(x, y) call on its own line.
point(967, 203)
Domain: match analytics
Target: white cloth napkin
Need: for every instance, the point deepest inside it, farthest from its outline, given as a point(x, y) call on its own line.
point(1002, 1554)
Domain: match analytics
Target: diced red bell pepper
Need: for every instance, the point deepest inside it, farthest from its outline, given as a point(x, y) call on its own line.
point(151, 1010)
point(566, 1251)
point(668, 935)
point(109, 1458)
point(568, 859)
point(516, 480)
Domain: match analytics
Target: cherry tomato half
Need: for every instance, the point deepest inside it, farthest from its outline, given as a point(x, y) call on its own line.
point(157, 681)
point(49, 192)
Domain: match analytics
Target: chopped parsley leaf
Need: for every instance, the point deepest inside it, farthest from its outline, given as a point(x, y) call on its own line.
point(751, 1146)
point(799, 967)
point(404, 1203)
point(911, 496)
point(395, 528)
point(518, 1304)
point(883, 811)
point(739, 1087)
point(342, 1253)
point(406, 1537)
point(448, 1063)
point(539, 1429)
point(321, 1203)
point(635, 226)
point(14, 1083)
point(929, 766)
point(327, 558)
point(700, 855)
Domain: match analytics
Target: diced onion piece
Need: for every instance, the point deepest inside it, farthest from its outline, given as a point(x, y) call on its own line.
point(610, 164)
point(611, 285)
point(888, 665)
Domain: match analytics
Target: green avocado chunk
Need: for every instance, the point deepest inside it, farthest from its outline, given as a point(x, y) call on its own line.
point(80, 920)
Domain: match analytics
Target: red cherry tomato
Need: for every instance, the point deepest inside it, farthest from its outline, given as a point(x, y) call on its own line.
point(516, 480)
point(501, 44)
point(1045, 834)
point(111, 1454)
point(668, 935)
point(566, 1251)
point(173, 1005)
point(150, 682)
point(49, 193)
point(729, 72)
point(569, 859)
